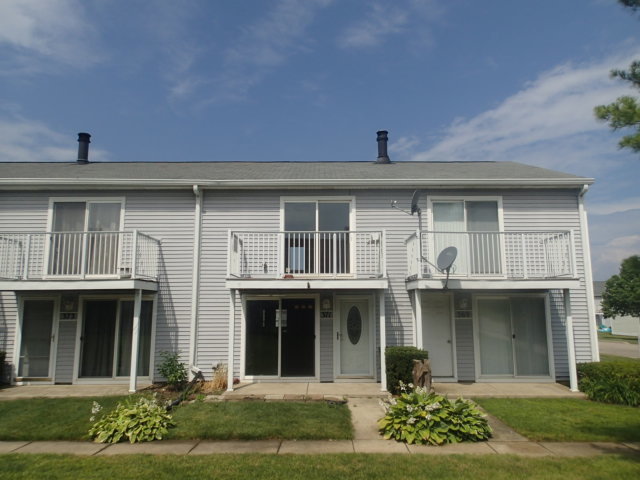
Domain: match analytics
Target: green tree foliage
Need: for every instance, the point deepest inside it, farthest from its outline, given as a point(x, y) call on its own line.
point(625, 111)
point(622, 292)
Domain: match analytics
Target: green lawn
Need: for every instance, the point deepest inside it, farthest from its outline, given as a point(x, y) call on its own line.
point(616, 358)
point(68, 419)
point(49, 418)
point(262, 420)
point(316, 467)
point(566, 419)
point(617, 338)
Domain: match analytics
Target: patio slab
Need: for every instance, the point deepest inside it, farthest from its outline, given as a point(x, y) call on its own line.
point(479, 448)
point(63, 391)
point(165, 447)
point(8, 447)
point(525, 449)
point(63, 448)
point(207, 447)
point(577, 449)
point(379, 446)
point(313, 447)
point(506, 390)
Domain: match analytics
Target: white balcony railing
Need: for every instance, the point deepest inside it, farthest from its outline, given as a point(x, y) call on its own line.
point(510, 255)
point(306, 254)
point(73, 255)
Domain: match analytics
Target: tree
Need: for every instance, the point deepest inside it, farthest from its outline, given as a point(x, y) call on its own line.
point(625, 111)
point(622, 292)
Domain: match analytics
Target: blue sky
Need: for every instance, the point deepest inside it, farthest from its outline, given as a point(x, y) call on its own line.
point(314, 79)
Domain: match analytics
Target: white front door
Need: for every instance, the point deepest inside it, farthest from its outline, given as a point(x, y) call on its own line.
point(354, 338)
point(437, 335)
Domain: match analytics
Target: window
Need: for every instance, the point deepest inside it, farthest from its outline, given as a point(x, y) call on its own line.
point(85, 237)
point(316, 238)
point(472, 226)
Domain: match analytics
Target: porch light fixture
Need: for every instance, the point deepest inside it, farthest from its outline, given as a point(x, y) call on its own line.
point(325, 303)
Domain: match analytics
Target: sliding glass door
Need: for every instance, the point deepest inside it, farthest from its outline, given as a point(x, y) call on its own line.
point(472, 226)
point(512, 337)
point(107, 336)
point(280, 337)
point(36, 339)
point(317, 237)
point(85, 238)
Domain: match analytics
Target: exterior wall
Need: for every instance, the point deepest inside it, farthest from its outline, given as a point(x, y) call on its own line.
point(8, 318)
point(165, 215)
point(66, 351)
point(169, 216)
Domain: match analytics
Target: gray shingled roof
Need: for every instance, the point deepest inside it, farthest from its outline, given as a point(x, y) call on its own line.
point(282, 172)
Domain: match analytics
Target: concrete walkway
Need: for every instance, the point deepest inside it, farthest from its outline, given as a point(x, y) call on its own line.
point(313, 447)
point(506, 390)
point(62, 391)
point(619, 348)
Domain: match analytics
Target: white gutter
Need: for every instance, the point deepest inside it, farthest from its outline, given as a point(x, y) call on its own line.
point(195, 290)
point(588, 275)
point(289, 183)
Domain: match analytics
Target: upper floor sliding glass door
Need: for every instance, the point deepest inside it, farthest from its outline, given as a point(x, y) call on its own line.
point(84, 238)
point(317, 237)
point(472, 226)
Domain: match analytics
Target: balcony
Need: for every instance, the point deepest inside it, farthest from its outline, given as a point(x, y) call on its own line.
point(34, 258)
point(494, 259)
point(306, 259)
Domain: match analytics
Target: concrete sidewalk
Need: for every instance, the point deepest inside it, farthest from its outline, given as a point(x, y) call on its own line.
point(313, 447)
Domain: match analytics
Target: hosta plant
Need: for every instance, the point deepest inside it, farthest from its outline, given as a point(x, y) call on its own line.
point(420, 417)
point(142, 420)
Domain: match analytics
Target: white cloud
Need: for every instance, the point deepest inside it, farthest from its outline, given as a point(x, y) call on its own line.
point(262, 47)
point(24, 140)
point(556, 107)
point(380, 22)
point(383, 20)
point(41, 33)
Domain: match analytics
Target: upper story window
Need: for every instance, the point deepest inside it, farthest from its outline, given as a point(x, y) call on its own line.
point(316, 235)
point(85, 237)
point(472, 226)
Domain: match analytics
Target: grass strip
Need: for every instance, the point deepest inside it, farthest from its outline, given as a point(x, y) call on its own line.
point(316, 467)
point(68, 419)
point(566, 419)
point(262, 420)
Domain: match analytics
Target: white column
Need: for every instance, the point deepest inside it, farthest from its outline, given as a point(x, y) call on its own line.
point(418, 308)
point(571, 350)
point(232, 329)
point(195, 280)
point(588, 276)
point(135, 340)
point(383, 342)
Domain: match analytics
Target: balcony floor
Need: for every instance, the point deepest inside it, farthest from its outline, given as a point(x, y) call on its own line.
point(493, 284)
point(77, 284)
point(307, 283)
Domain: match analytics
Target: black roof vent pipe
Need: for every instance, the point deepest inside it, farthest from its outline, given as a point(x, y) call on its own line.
point(382, 147)
point(83, 147)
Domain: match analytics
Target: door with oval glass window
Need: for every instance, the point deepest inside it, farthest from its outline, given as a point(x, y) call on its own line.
point(354, 339)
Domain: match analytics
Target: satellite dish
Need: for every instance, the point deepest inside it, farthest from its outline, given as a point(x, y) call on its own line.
point(414, 203)
point(445, 261)
point(446, 258)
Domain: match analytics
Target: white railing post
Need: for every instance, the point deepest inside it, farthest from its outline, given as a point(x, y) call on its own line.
point(383, 253)
point(525, 266)
point(572, 254)
point(26, 258)
point(134, 255)
point(335, 254)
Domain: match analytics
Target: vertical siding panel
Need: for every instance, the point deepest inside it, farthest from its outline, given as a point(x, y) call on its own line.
point(65, 351)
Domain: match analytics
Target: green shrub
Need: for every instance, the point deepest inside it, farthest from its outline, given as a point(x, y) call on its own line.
point(420, 417)
point(400, 365)
point(141, 421)
point(173, 369)
point(611, 382)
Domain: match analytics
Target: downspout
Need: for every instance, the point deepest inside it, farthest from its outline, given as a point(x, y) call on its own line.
point(195, 290)
point(588, 275)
